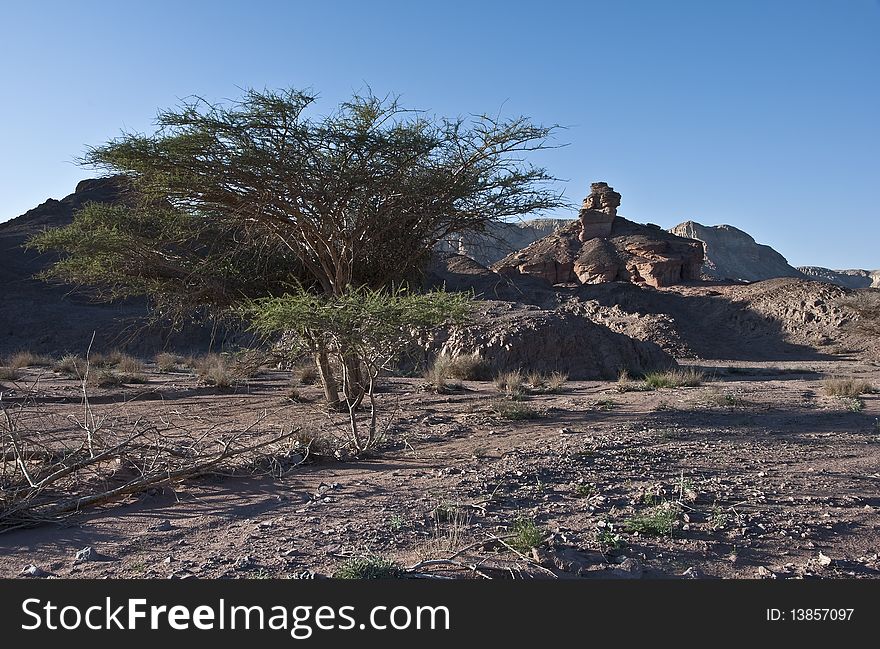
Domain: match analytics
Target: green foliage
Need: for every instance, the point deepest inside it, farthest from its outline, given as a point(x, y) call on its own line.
point(656, 521)
point(360, 318)
point(370, 568)
point(230, 202)
point(526, 535)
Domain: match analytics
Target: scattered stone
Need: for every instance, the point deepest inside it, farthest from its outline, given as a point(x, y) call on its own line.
point(693, 573)
point(86, 554)
point(825, 560)
point(35, 571)
point(765, 573)
point(161, 526)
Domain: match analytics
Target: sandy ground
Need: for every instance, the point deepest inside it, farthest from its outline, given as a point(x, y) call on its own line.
point(767, 477)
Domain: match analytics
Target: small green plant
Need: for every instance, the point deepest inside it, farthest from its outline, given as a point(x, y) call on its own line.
point(846, 387)
point(513, 410)
point(166, 362)
point(656, 521)
point(609, 539)
point(686, 378)
point(396, 522)
point(718, 519)
point(585, 490)
point(853, 404)
point(369, 568)
point(526, 535)
point(605, 404)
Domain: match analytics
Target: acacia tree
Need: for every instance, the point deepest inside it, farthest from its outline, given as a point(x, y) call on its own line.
point(233, 202)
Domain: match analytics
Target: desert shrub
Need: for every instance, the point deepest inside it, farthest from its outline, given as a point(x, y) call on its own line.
point(686, 378)
point(9, 373)
point(369, 568)
point(106, 359)
point(846, 387)
point(438, 375)
point(535, 380)
point(28, 359)
point(103, 377)
point(248, 363)
point(308, 375)
point(555, 381)
point(166, 361)
point(214, 370)
point(468, 367)
point(866, 305)
point(513, 410)
point(129, 364)
point(71, 365)
point(511, 384)
point(526, 535)
point(134, 377)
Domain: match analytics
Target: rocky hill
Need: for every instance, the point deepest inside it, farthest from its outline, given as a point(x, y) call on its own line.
point(853, 278)
point(731, 254)
point(501, 239)
point(53, 319)
point(603, 247)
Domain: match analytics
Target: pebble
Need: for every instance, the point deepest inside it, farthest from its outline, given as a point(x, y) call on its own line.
point(86, 554)
point(34, 571)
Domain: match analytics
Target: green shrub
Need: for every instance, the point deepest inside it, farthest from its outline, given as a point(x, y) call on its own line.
point(369, 568)
point(656, 521)
point(526, 535)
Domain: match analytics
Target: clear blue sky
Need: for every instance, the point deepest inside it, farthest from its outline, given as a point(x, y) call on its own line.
point(761, 114)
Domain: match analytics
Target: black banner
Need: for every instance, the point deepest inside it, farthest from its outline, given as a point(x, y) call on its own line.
point(429, 612)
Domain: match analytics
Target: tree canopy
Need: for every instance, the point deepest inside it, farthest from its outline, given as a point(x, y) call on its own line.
point(231, 201)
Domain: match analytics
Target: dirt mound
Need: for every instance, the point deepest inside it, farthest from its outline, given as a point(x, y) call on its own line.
point(512, 337)
point(776, 319)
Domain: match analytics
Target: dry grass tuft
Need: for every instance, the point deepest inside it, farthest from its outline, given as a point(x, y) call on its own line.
point(846, 387)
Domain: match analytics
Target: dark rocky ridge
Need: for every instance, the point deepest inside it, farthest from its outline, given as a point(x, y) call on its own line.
point(55, 319)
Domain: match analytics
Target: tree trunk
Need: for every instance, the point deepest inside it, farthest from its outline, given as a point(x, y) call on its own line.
point(353, 384)
point(325, 373)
